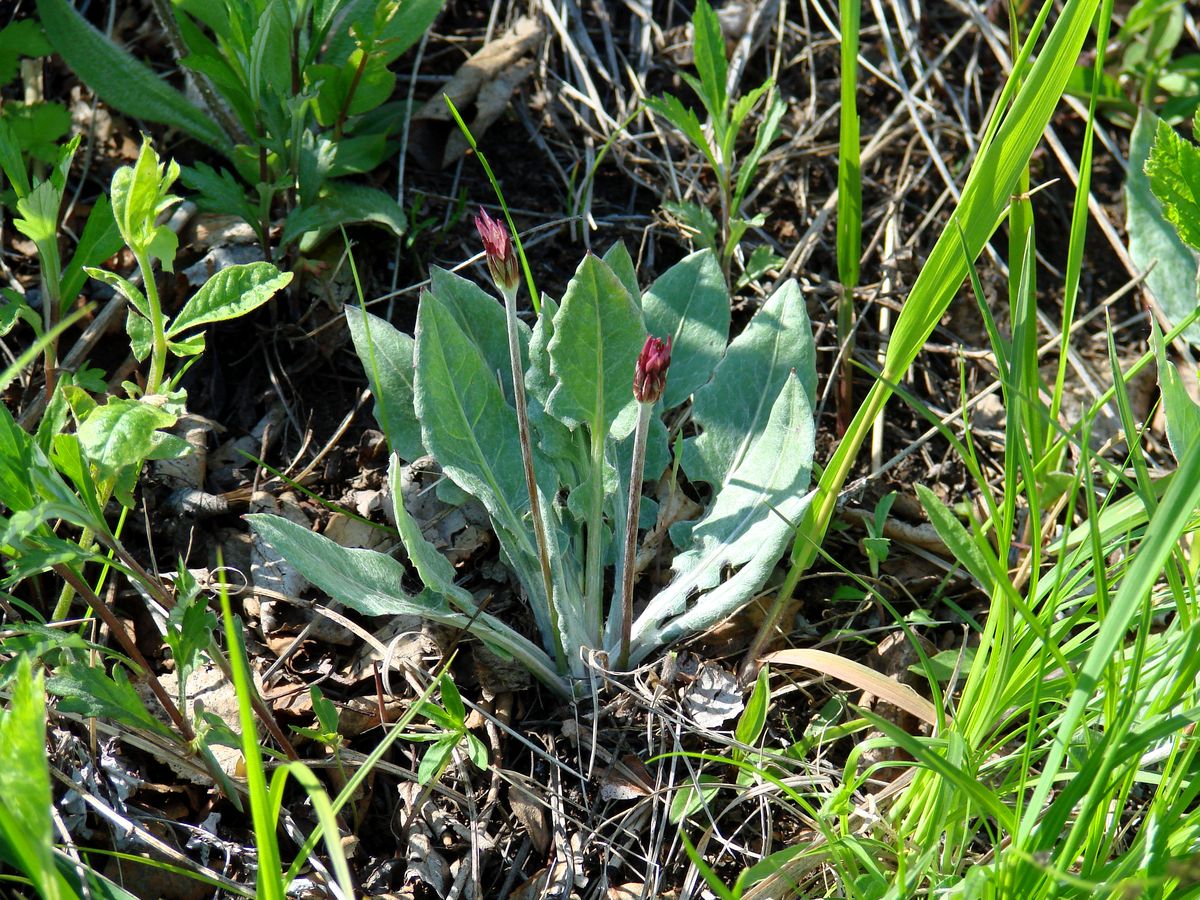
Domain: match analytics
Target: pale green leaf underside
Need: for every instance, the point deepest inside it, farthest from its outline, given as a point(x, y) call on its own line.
point(1153, 240)
point(386, 354)
point(747, 528)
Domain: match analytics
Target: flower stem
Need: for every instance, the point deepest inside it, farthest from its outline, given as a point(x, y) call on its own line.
point(535, 505)
point(594, 564)
point(631, 528)
point(158, 352)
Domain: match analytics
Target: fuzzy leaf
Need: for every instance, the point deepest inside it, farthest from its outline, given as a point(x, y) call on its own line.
point(465, 422)
point(689, 302)
point(747, 528)
point(733, 408)
point(386, 354)
point(598, 333)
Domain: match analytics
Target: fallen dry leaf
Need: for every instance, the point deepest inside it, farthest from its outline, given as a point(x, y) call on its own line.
point(480, 91)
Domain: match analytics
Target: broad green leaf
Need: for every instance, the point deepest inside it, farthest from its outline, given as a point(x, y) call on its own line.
point(746, 528)
point(120, 433)
point(16, 462)
point(26, 829)
point(754, 717)
point(22, 37)
point(386, 354)
point(120, 80)
point(231, 292)
point(956, 537)
point(1153, 241)
point(733, 408)
point(465, 422)
point(1174, 172)
point(621, 263)
point(406, 25)
point(87, 690)
point(482, 320)
point(366, 581)
point(343, 203)
point(38, 127)
point(598, 334)
point(141, 337)
point(690, 303)
point(692, 797)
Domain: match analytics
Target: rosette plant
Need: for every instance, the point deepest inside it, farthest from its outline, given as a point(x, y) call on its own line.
point(553, 430)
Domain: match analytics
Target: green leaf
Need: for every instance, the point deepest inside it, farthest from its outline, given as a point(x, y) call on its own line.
point(190, 626)
point(343, 203)
point(1174, 172)
point(364, 580)
point(406, 25)
point(100, 239)
point(598, 334)
point(126, 288)
point(754, 717)
point(26, 829)
point(38, 127)
point(231, 292)
point(692, 797)
point(436, 758)
point(690, 303)
point(141, 337)
point(465, 422)
point(621, 263)
point(768, 132)
point(22, 37)
point(120, 80)
point(87, 690)
point(1181, 411)
point(38, 212)
point(220, 191)
point(1153, 240)
point(387, 357)
point(482, 320)
point(698, 220)
point(956, 537)
point(669, 107)
point(120, 433)
point(746, 528)
point(733, 408)
point(709, 52)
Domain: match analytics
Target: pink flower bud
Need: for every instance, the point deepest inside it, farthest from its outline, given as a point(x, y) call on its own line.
point(650, 376)
point(501, 259)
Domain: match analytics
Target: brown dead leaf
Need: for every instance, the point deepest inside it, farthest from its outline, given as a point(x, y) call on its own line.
point(532, 816)
point(480, 91)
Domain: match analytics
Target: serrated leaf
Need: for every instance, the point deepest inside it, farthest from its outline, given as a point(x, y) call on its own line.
point(669, 107)
point(733, 408)
point(690, 303)
point(119, 434)
point(598, 333)
point(1153, 241)
point(219, 191)
point(747, 528)
point(189, 631)
point(386, 354)
point(87, 690)
point(696, 219)
point(768, 131)
point(231, 292)
point(1174, 172)
point(38, 213)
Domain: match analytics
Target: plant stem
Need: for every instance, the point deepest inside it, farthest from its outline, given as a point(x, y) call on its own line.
point(594, 563)
point(535, 504)
point(344, 112)
point(158, 352)
point(631, 528)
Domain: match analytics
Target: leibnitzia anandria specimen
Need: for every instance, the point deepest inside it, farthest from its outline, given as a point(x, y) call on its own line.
point(548, 430)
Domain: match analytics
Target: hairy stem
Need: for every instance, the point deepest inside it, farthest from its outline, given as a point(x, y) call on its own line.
point(535, 504)
point(631, 529)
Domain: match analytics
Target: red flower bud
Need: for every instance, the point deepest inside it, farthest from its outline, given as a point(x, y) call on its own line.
point(501, 259)
point(650, 376)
